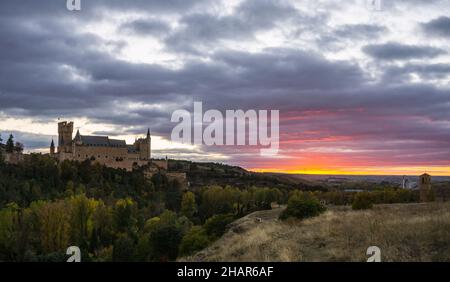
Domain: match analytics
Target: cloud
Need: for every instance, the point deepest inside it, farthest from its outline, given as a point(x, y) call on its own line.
point(336, 103)
point(360, 31)
point(438, 27)
point(150, 27)
point(397, 51)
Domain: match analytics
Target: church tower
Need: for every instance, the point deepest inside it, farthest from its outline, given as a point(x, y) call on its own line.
point(65, 131)
point(426, 193)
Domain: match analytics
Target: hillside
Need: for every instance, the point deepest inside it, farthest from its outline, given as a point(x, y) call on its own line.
point(404, 232)
point(206, 174)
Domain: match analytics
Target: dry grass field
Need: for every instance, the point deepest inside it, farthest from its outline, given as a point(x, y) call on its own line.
point(403, 232)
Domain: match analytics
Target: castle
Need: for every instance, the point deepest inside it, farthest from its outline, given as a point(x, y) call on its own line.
point(102, 149)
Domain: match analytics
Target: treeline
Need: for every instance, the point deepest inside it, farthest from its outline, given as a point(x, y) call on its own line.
point(379, 196)
point(111, 214)
point(10, 146)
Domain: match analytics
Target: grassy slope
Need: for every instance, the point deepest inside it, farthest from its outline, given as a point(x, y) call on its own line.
point(404, 232)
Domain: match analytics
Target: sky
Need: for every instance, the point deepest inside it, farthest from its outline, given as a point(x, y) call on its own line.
point(361, 89)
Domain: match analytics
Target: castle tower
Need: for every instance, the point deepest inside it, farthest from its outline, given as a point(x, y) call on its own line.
point(65, 131)
point(425, 188)
point(145, 147)
point(52, 148)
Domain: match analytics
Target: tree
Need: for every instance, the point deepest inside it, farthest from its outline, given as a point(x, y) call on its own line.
point(362, 201)
point(188, 205)
point(8, 231)
point(102, 220)
point(53, 223)
point(195, 240)
point(124, 250)
point(174, 196)
point(18, 147)
point(217, 225)
point(82, 209)
point(10, 144)
point(165, 242)
point(302, 205)
point(125, 216)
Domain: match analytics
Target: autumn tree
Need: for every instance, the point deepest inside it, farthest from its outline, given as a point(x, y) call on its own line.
point(53, 222)
point(124, 214)
point(81, 223)
point(188, 205)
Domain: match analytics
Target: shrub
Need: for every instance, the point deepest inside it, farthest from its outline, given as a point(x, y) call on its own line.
point(216, 225)
point(164, 242)
point(195, 240)
point(362, 201)
point(302, 205)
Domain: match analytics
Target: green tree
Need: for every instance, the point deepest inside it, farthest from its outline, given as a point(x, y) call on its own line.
point(217, 224)
point(102, 220)
point(195, 240)
point(362, 201)
point(302, 205)
point(124, 249)
point(188, 205)
point(9, 218)
point(10, 144)
point(174, 196)
point(53, 223)
point(125, 216)
point(165, 242)
point(81, 224)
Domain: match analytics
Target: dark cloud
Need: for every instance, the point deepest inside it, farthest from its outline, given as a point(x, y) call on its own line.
point(248, 18)
point(438, 27)
point(146, 27)
point(403, 74)
point(360, 31)
point(57, 8)
point(397, 51)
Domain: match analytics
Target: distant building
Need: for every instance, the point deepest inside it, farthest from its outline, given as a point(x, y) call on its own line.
point(426, 192)
point(408, 184)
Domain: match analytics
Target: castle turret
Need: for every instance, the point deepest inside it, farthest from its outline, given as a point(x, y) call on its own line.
point(144, 147)
point(65, 131)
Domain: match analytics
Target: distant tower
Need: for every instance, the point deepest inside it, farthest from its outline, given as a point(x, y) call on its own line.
point(65, 131)
point(145, 147)
point(425, 188)
point(52, 148)
point(405, 182)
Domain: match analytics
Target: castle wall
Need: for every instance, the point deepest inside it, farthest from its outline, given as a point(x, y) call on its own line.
point(115, 157)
